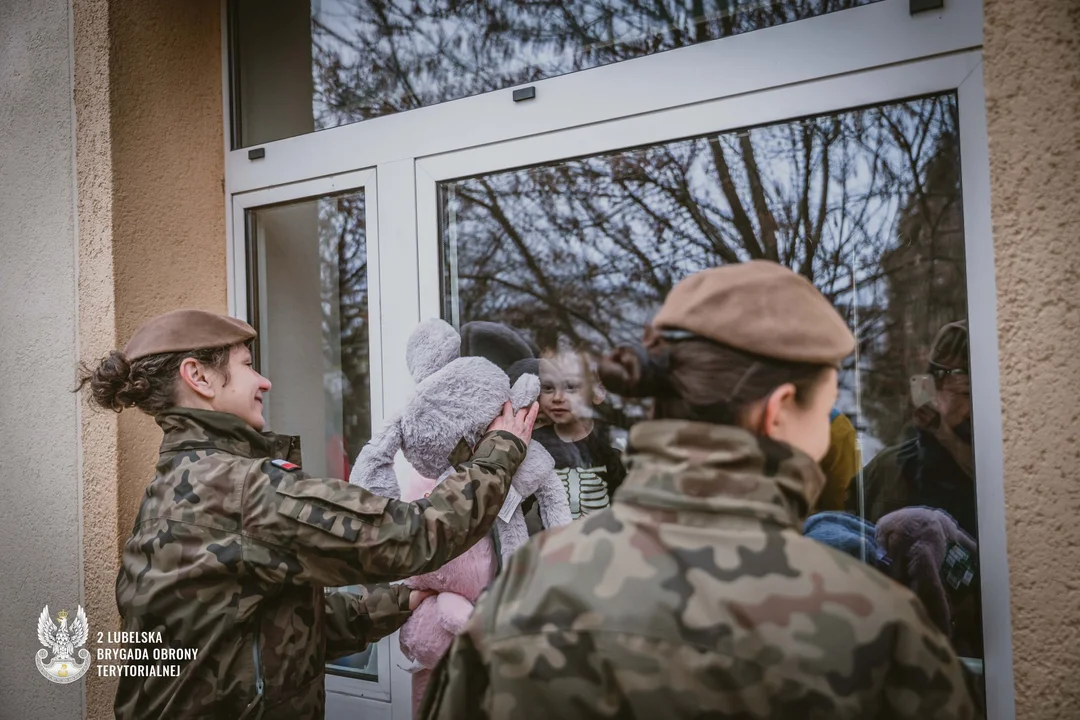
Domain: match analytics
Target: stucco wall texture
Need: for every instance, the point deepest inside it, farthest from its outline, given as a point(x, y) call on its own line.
point(150, 175)
point(1032, 79)
point(97, 321)
point(40, 561)
point(169, 174)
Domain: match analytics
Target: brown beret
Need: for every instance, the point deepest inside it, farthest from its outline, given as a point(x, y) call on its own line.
point(183, 330)
point(761, 308)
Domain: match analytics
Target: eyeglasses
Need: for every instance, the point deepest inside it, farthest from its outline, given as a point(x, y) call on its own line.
point(941, 372)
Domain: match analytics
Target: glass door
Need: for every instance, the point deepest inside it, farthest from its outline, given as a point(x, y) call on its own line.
point(306, 274)
point(872, 185)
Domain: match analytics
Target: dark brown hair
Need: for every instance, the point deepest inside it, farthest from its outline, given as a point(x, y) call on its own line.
point(697, 379)
point(148, 383)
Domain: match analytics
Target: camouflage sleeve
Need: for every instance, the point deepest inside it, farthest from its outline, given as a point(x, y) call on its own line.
point(354, 620)
point(926, 680)
point(313, 531)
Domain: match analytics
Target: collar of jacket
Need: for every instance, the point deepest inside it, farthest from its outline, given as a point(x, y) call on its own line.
point(192, 429)
point(699, 467)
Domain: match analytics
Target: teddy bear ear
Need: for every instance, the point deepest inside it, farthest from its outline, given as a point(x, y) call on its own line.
point(525, 391)
point(433, 345)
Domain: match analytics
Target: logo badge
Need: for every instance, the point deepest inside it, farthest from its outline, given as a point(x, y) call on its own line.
point(61, 641)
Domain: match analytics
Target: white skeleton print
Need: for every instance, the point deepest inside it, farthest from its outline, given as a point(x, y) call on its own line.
point(586, 489)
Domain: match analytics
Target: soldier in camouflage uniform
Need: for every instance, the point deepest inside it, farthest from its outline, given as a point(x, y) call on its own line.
point(234, 544)
point(696, 595)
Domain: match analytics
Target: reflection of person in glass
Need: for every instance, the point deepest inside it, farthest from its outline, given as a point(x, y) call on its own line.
point(695, 594)
point(585, 461)
point(936, 467)
point(841, 462)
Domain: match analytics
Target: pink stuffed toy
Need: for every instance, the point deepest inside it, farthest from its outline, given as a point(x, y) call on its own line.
point(427, 635)
point(454, 402)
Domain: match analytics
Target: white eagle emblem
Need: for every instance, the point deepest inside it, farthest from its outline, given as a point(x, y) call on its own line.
point(61, 643)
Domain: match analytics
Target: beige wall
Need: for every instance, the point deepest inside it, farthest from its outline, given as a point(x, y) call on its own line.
point(150, 174)
point(39, 478)
point(169, 180)
point(97, 317)
point(1032, 76)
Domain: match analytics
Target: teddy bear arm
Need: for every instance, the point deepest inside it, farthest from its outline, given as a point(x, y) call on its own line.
point(923, 571)
point(554, 503)
point(454, 612)
point(374, 466)
point(423, 637)
point(512, 534)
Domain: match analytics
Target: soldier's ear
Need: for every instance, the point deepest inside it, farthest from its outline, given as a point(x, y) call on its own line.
point(196, 378)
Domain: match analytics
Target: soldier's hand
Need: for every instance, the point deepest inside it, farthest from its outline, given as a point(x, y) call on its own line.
point(418, 596)
point(520, 423)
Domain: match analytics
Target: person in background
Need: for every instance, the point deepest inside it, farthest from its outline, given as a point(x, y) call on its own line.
point(589, 467)
point(840, 464)
point(695, 594)
point(234, 544)
point(935, 468)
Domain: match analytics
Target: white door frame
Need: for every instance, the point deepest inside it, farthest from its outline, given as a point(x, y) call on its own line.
point(386, 698)
point(960, 72)
point(880, 34)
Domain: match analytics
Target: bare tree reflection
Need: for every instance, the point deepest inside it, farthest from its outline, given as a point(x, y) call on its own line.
point(376, 57)
point(865, 204)
point(343, 250)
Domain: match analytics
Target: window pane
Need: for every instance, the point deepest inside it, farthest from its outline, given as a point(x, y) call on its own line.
point(305, 66)
point(362, 666)
point(307, 269)
point(578, 255)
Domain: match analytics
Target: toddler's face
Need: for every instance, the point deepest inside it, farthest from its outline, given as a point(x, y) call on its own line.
point(566, 391)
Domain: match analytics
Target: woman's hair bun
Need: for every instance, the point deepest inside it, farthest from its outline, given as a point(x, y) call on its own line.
point(115, 385)
point(635, 372)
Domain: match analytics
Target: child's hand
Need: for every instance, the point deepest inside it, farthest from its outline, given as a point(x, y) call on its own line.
point(418, 596)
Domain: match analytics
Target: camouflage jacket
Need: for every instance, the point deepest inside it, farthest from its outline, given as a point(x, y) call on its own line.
point(233, 547)
point(696, 596)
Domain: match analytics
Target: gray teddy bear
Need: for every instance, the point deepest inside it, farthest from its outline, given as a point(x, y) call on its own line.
point(455, 400)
